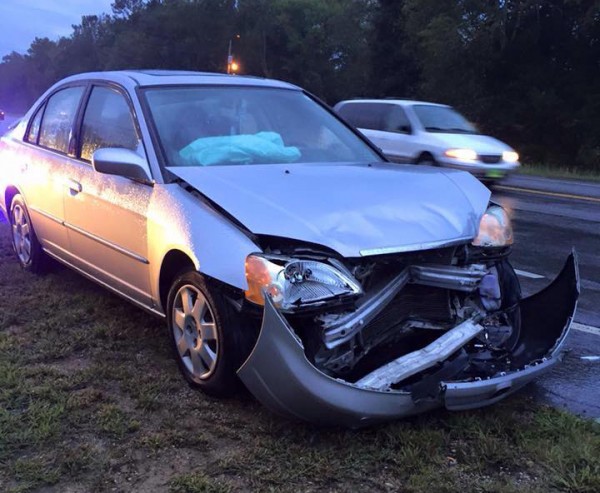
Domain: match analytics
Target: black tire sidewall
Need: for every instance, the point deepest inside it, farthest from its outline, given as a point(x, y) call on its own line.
point(427, 160)
point(223, 381)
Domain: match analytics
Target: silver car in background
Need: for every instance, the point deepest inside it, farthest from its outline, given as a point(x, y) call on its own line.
point(428, 133)
point(279, 245)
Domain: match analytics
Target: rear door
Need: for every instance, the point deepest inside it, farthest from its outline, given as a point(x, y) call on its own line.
point(106, 215)
point(385, 124)
point(44, 166)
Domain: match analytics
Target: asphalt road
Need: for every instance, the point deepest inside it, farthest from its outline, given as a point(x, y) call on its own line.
point(550, 217)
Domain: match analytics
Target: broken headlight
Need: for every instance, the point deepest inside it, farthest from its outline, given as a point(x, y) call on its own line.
point(495, 229)
point(292, 283)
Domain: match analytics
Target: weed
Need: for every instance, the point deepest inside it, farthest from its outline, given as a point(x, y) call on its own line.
point(91, 400)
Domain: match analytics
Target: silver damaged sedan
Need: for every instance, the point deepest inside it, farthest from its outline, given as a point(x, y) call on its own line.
point(279, 245)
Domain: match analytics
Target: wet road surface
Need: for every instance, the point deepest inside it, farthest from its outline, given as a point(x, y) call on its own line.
point(550, 217)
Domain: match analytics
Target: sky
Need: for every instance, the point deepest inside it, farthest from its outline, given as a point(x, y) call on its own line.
point(21, 21)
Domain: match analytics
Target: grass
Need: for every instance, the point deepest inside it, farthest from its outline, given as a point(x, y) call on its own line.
point(91, 400)
point(565, 172)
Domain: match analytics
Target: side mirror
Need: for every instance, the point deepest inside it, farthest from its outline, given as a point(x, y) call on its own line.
point(121, 162)
point(404, 129)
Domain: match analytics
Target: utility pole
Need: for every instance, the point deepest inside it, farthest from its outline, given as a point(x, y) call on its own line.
point(232, 65)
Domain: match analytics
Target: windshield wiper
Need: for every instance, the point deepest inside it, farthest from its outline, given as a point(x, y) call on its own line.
point(450, 130)
point(462, 131)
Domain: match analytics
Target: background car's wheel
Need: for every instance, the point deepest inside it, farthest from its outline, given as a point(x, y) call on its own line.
point(25, 243)
point(205, 335)
point(427, 160)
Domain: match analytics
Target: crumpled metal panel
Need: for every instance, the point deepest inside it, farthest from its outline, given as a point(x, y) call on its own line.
point(412, 363)
point(354, 209)
point(179, 221)
point(279, 375)
point(449, 276)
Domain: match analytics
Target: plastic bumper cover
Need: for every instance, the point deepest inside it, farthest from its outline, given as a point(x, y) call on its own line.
point(280, 376)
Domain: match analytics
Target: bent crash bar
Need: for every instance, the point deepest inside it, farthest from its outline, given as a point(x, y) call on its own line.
point(280, 376)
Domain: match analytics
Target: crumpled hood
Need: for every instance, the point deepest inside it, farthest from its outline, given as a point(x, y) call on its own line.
point(481, 144)
point(353, 209)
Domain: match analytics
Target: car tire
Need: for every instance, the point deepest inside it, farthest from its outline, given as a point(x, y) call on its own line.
point(205, 335)
point(427, 160)
point(25, 243)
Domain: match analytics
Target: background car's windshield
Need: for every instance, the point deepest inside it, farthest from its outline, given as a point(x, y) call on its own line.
point(442, 119)
point(206, 126)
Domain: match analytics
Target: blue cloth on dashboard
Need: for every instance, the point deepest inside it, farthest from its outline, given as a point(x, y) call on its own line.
point(260, 148)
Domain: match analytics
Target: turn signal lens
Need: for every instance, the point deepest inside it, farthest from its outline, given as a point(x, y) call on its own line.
point(495, 229)
point(261, 276)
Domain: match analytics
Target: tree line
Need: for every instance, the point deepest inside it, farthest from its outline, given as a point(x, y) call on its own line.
point(526, 71)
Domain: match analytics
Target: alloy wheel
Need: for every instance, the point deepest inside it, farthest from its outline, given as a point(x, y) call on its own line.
point(21, 233)
point(194, 332)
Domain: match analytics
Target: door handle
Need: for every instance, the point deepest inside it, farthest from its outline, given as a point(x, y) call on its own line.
point(74, 186)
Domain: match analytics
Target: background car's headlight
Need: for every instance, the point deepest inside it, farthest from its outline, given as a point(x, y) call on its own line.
point(495, 229)
point(292, 283)
point(510, 156)
point(462, 154)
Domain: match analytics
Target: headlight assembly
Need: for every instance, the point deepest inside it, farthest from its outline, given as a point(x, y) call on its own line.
point(495, 229)
point(292, 283)
point(462, 154)
point(510, 156)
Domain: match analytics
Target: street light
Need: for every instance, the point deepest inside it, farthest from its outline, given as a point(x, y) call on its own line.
point(232, 65)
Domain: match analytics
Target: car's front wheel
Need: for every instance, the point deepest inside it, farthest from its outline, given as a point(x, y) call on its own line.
point(427, 159)
point(25, 243)
point(204, 332)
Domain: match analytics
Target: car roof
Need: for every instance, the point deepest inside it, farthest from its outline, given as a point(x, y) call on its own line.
point(177, 77)
point(400, 102)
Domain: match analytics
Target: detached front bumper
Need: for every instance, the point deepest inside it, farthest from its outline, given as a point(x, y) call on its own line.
point(280, 376)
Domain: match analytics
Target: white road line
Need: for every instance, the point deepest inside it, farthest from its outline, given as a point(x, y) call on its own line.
point(530, 275)
point(586, 328)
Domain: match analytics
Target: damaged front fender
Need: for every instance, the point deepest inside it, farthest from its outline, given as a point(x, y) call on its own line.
point(280, 376)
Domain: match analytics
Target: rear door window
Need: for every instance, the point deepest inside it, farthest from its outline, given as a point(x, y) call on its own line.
point(396, 120)
point(34, 128)
point(57, 122)
point(373, 116)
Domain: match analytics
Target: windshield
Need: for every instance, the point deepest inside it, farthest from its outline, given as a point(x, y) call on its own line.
point(442, 119)
point(210, 126)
